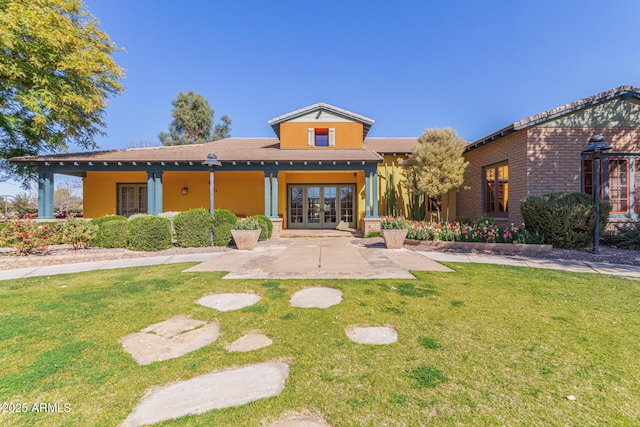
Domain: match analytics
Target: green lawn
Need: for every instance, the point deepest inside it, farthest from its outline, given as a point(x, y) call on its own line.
point(486, 345)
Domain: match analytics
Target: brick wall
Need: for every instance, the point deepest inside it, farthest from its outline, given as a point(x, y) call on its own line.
point(553, 155)
point(512, 149)
point(541, 160)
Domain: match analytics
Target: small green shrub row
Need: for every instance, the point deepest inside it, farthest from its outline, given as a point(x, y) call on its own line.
point(150, 233)
point(193, 228)
point(265, 225)
point(112, 231)
point(566, 220)
point(223, 223)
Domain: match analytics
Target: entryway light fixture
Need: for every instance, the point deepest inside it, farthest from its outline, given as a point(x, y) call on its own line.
point(185, 191)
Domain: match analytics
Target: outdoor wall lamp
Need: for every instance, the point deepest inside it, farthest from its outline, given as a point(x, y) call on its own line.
point(597, 145)
point(185, 191)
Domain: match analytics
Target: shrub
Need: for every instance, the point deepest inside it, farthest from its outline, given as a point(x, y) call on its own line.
point(224, 221)
point(565, 220)
point(138, 215)
point(193, 228)
point(266, 225)
point(393, 223)
point(78, 232)
point(170, 215)
point(149, 233)
point(115, 234)
point(25, 236)
point(624, 236)
point(106, 236)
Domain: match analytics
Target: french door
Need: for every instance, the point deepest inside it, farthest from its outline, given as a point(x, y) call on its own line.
point(321, 206)
point(132, 199)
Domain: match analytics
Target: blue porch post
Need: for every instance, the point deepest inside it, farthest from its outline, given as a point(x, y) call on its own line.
point(267, 193)
point(375, 193)
point(158, 204)
point(274, 195)
point(367, 192)
point(45, 195)
point(151, 193)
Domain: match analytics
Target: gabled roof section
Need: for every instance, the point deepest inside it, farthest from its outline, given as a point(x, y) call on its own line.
point(622, 92)
point(321, 106)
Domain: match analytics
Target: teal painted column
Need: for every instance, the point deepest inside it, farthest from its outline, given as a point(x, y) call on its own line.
point(375, 193)
point(45, 195)
point(274, 195)
point(151, 194)
point(367, 192)
point(158, 204)
point(267, 193)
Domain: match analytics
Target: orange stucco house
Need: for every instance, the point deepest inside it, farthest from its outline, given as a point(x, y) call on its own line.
point(322, 171)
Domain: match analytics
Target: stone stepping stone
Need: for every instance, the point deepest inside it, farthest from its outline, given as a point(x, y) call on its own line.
point(372, 335)
point(250, 342)
point(229, 302)
point(300, 422)
point(317, 297)
point(217, 390)
point(169, 339)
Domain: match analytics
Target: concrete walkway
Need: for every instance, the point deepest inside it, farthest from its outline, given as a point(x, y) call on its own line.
point(320, 258)
point(324, 258)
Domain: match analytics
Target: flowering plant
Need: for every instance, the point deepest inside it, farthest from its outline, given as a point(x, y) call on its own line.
point(25, 236)
point(483, 232)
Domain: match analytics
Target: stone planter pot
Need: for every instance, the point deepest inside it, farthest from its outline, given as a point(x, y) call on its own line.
point(394, 239)
point(246, 239)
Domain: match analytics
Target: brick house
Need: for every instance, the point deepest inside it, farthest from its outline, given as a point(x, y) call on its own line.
point(543, 154)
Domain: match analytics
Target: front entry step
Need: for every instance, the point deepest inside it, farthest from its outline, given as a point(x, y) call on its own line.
point(319, 233)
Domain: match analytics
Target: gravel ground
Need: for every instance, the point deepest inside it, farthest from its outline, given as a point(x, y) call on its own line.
point(62, 254)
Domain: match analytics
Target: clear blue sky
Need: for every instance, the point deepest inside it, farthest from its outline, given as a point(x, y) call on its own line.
point(475, 66)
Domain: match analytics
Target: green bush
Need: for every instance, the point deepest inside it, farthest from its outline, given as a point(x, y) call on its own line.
point(266, 225)
point(149, 233)
point(78, 232)
point(193, 228)
point(223, 223)
point(115, 234)
point(106, 237)
point(565, 220)
point(626, 235)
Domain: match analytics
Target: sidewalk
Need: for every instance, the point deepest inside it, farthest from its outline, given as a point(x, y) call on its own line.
point(324, 258)
point(553, 264)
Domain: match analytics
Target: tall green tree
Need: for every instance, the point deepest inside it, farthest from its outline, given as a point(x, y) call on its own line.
point(436, 166)
point(193, 122)
point(56, 75)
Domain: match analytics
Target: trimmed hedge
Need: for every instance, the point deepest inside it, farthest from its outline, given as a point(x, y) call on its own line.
point(266, 225)
point(193, 228)
point(149, 233)
point(107, 236)
point(115, 234)
point(565, 220)
point(223, 223)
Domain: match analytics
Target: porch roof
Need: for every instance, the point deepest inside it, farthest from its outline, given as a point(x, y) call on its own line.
point(228, 150)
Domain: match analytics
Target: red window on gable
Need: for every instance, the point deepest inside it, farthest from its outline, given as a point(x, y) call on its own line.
point(322, 137)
